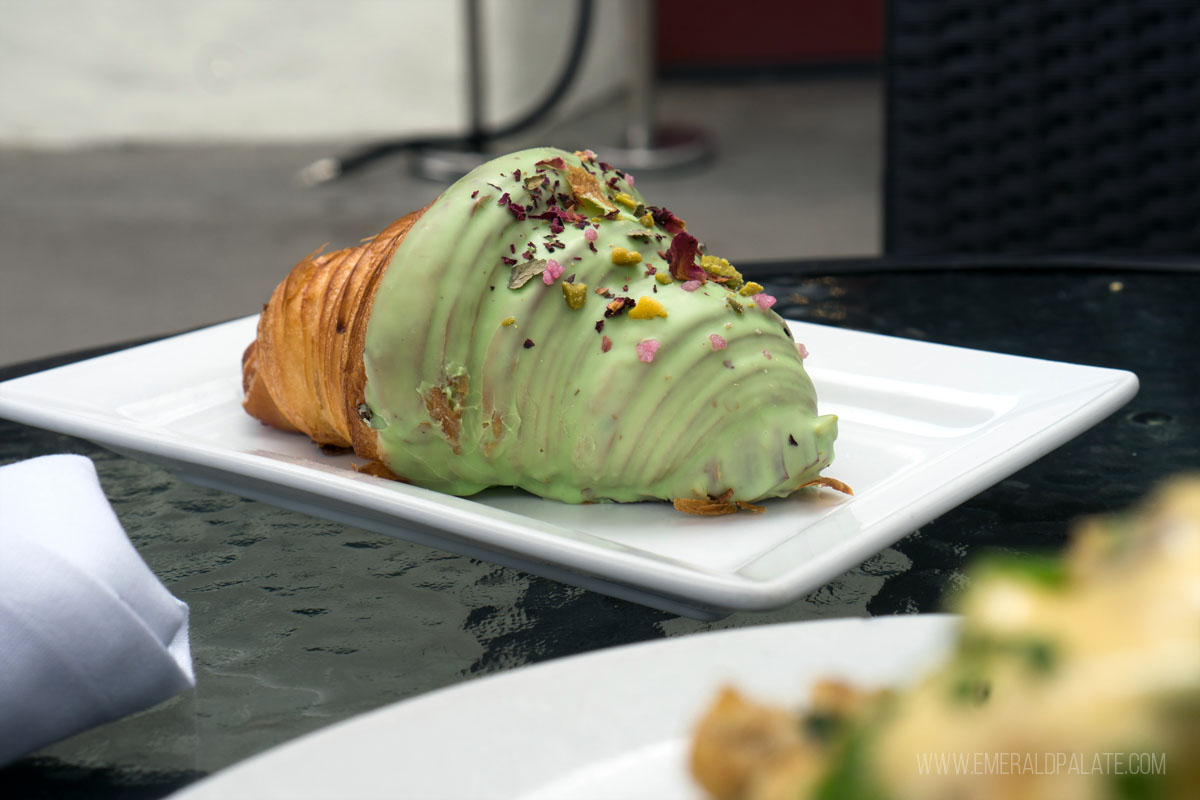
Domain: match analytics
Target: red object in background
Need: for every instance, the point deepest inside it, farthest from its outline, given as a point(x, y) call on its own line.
point(768, 33)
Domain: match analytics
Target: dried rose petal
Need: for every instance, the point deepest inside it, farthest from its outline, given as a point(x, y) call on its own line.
point(517, 209)
point(558, 218)
point(618, 306)
point(681, 256)
point(671, 223)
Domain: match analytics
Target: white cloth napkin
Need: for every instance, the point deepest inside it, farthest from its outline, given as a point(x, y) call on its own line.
point(88, 634)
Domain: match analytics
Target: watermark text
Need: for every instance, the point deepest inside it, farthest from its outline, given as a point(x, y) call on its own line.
point(1048, 763)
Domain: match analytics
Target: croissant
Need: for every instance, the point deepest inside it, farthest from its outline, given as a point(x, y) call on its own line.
point(539, 326)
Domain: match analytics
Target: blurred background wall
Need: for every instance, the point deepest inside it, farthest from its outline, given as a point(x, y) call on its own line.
point(85, 72)
point(150, 149)
point(113, 71)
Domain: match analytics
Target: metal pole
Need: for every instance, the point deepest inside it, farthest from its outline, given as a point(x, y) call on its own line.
point(646, 145)
point(474, 76)
point(450, 162)
point(639, 127)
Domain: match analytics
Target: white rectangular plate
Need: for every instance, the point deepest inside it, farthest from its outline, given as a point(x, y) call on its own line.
point(923, 428)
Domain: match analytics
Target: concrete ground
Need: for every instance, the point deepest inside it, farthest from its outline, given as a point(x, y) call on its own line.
point(105, 245)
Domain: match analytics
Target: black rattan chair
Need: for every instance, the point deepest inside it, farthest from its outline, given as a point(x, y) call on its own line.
point(1036, 127)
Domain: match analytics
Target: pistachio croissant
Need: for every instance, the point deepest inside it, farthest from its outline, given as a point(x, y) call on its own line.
point(540, 326)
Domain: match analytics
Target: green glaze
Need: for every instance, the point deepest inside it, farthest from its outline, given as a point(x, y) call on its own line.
point(562, 418)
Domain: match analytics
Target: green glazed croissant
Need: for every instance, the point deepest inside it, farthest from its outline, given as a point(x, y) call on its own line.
point(540, 326)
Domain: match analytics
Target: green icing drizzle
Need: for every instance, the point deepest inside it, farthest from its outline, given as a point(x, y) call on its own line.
point(463, 402)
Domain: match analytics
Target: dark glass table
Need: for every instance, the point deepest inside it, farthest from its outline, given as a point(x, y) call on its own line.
point(298, 623)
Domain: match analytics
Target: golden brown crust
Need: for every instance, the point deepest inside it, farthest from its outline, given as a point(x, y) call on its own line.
point(725, 504)
point(257, 396)
point(831, 483)
point(304, 371)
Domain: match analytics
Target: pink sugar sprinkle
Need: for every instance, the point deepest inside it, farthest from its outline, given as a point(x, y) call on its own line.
point(589, 154)
point(646, 349)
point(764, 301)
point(767, 353)
point(801, 349)
point(552, 271)
point(718, 343)
point(690, 286)
point(590, 234)
point(629, 179)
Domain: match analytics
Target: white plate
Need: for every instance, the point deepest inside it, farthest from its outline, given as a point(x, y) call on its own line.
point(611, 725)
point(923, 428)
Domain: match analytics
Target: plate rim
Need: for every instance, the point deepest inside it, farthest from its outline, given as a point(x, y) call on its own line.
point(556, 551)
point(619, 662)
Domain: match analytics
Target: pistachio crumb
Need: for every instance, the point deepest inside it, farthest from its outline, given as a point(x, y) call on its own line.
point(721, 268)
point(647, 220)
point(751, 288)
point(623, 257)
point(575, 294)
point(508, 321)
point(663, 277)
point(647, 308)
point(626, 200)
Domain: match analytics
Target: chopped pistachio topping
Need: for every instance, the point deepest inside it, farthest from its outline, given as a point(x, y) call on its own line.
point(508, 321)
point(575, 293)
point(647, 308)
point(587, 189)
point(750, 288)
point(647, 220)
point(626, 200)
point(623, 257)
point(721, 268)
point(523, 273)
point(663, 277)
